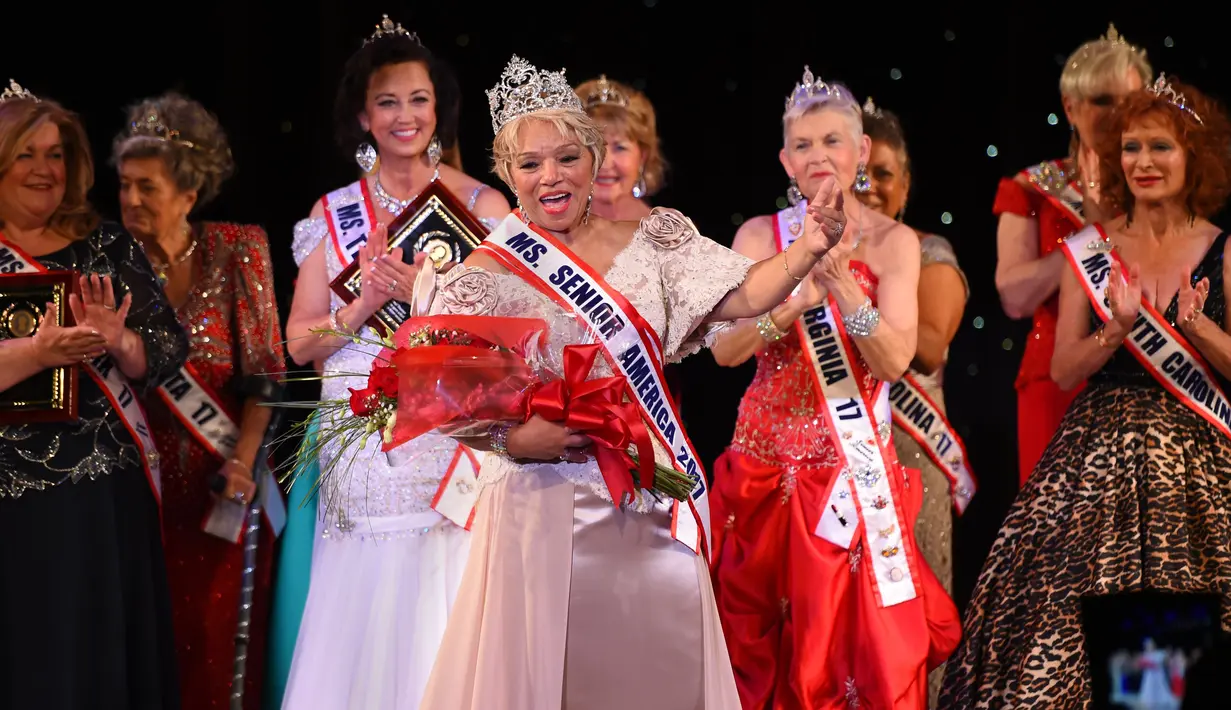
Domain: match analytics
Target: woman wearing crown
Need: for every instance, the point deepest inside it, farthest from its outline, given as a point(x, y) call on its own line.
point(386, 564)
point(569, 600)
point(1041, 206)
point(85, 613)
point(172, 159)
point(1130, 496)
point(823, 595)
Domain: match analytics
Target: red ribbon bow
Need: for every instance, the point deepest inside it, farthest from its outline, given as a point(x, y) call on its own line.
point(597, 409)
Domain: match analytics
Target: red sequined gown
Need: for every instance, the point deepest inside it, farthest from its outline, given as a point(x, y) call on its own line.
point(802, 621)
point(232, 321)
point(1044, 193)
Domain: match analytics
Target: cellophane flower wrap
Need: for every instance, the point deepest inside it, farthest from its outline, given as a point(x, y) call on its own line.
point(460, 375)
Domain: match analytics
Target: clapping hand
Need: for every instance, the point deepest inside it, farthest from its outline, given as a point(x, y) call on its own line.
point(95, 308)
point(57, 346)
point(1124, 297)
point(826, 221)
point(836, 264)
point(375, 290)
point(397, 276)
point(1191, 299)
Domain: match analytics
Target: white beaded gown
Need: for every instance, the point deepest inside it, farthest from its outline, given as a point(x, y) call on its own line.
point(385, 566)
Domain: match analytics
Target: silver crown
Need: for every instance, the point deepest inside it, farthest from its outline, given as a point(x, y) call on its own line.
point(870, 109)
point(811, 89)
point(1163, 89)
point(16, 92)
point(389, 28)
point(524, 89)
point(152, 126)
point(1112, 36)
point(605, 93)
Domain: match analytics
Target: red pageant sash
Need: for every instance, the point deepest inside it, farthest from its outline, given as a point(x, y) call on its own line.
point(1050, 180)
point(917, 415)
point(861, 498)
point(629, 344)
point(106, 374)
point(204, 416)
point(1160, 348)
point(350, 217)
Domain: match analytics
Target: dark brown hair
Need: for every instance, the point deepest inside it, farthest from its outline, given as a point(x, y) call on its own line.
point(1207, 144)
point(19, 119)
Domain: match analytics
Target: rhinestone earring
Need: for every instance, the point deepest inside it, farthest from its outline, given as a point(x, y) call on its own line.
point(434, 150)
point(639, 186)
point(863, 184)
point(589, 201)
point(365, 155)
point(793, 195)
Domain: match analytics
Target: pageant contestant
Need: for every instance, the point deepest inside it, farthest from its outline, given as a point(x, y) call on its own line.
point(85, 615)
point(568, 600)
point(1131, 494)
point(172, 159)
point(922, 436)
point(823, 595)
point(1040, 207)
point(387, 564)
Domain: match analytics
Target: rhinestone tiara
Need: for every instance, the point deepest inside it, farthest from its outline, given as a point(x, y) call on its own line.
point(523, 89)
point(389, 28)
point(812, 89)
point(870, 109)
point(1163, 89)
point(16, 92)
point(605, 93)
point(152, 126)
point(1112, 36)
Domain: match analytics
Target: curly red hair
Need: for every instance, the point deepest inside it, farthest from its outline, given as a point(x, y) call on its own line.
point(1207, 143)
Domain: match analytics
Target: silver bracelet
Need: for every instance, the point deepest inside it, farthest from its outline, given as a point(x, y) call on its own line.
point(769, 330)
point(335, 325)
point(500, 439)
point(863, 322)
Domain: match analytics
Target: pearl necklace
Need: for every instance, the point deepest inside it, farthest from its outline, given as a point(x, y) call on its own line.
point(391, 204)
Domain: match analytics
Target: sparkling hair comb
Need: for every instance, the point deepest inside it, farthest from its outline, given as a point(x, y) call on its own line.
point(388, 28)
point(812, 89)
point(1163, 89)
point(605, 93)
point(153, 127)
point(870, 109)
point(16, 92)
point(523, 89)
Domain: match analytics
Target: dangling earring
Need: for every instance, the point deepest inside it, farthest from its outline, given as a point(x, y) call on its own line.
point(521, 212)
point(902, 212)
point(793, 195)
point(639, 186)
point(589, 201)
point(434, 150)
point(365, 155)
point(863, 184)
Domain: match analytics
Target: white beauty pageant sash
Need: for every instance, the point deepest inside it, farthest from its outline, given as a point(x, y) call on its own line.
point(348, 212)
point(918, 415)
point(862, 493)
point(107, 375)
point(1161, 349)
point(201, 412)
point(630, 346)
point(1050, 180)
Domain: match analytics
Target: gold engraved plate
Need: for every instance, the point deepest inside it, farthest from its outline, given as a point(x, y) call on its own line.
point(51, 394)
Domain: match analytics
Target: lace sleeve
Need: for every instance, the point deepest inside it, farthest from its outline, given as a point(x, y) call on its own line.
point(151, 316)
point(465, 291)
point(935, 249)
point(309, 232)
point(256, 311)
point(696, 273)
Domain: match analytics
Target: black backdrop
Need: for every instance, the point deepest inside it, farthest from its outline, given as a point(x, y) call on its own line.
point(962, 77)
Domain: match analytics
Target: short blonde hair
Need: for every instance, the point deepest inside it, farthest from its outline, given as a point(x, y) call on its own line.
point(635, 118)
point(570, 124)
point(1101, 63)
point(74, 218)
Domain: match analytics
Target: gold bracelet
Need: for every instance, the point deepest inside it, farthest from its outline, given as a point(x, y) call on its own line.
point(787, 268)
point(1100, 336)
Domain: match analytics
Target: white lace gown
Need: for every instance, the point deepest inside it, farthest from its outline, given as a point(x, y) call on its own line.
point(567, 601)
point(385, 566)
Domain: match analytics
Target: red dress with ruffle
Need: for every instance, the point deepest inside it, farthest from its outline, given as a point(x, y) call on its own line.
point(804, 625)
point(232, 321)
point(1041, 403)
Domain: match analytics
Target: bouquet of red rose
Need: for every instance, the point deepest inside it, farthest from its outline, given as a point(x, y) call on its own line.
point(460, 375)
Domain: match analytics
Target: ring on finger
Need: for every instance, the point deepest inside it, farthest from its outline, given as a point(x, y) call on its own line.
point(393, 285)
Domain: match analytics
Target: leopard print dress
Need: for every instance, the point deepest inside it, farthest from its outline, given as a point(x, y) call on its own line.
point(1133, 494)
